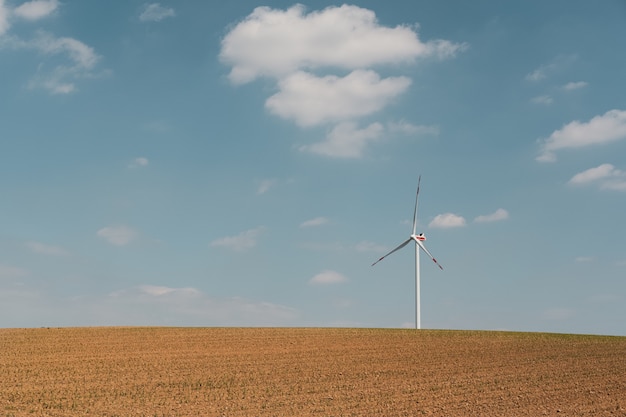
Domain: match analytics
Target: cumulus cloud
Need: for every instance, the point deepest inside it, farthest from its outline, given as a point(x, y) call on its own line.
point(117, 235)
point(606, 176)
point(310, 100)
point(498, 215)
point(328, 278)
point(187, 306)
point(241, 242)
point(154, 12)
point(30, 10)
point(346, 140)
point(36, 9)
point(274, 43)
point(446, 221)
point(317, 221)
point(322, 64)
point(44, 249)
point(143, 305)
point(606, 128)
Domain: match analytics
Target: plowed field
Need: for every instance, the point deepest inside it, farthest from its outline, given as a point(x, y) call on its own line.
point(308, 372)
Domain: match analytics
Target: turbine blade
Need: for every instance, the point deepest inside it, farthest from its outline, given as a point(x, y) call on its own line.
point(403, 244)
point(421, 245)
point(419, 179)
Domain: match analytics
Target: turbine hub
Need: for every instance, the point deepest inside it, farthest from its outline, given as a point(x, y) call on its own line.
point(420, 237)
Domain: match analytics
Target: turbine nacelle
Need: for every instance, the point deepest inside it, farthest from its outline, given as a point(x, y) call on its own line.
point(419, 237)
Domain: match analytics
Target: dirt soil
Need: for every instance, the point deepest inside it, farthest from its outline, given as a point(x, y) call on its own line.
point(308, 372)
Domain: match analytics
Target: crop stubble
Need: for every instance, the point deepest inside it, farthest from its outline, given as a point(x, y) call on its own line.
point(307, 372)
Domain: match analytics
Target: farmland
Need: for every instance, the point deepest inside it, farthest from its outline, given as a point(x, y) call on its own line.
point(308, 372)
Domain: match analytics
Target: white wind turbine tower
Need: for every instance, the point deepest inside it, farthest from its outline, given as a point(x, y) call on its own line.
point(419, 239)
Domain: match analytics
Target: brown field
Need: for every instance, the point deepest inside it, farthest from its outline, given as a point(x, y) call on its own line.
point(308, 372)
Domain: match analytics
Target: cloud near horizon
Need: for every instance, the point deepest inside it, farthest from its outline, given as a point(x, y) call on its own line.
point(142, 305)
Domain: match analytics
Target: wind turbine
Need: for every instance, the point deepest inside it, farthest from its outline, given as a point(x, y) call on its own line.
point(419, 239)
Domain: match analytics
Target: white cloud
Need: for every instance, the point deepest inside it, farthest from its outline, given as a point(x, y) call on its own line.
point(606, 176)
point(82, 55)
point(328, 278)
point(81, 58)
point(241, 242)
point(322, 63)
point(158, 291)
point(45, 249)
point(154, 12)
point(4, 18)
point(346, 141)
point(36, 9)
point(575, 85)
point(265, 186)
point(117, 235)
point(498, 215)
point(77, 60)
point(139, 162)
point(318, 221)
point(593, 174)
point(447, 220)
point(310, 100)
point(546, 70)
point(542, 100)
point(538, 74)
point(609, 127)
point(161, 305)
point(274, 43)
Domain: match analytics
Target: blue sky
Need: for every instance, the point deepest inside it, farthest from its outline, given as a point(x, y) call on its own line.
point(243, 164)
